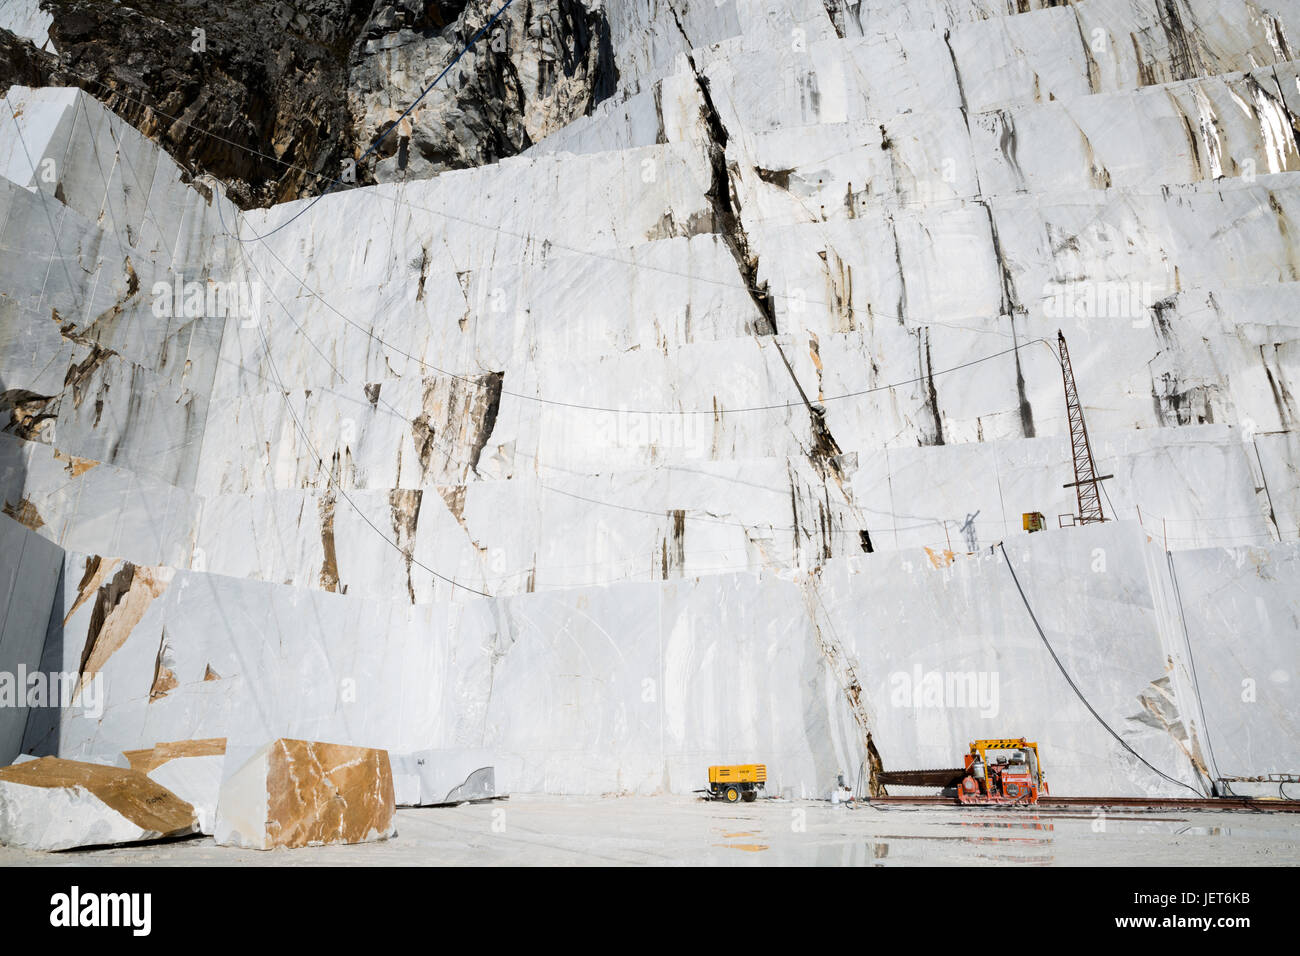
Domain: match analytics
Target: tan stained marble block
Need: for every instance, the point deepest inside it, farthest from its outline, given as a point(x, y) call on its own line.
point(296, 793)
point(56, 804)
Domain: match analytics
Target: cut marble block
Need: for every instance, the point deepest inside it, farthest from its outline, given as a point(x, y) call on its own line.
point(295, 793)
point(433, 777)
point(54, 804)
point(191, 769)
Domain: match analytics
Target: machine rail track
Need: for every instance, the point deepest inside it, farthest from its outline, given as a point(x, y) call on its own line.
point(1130, 803)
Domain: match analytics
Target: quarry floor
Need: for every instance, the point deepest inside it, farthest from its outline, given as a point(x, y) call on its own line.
point(679, 830)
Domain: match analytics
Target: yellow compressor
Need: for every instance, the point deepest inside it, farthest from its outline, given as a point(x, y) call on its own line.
point(737, 782)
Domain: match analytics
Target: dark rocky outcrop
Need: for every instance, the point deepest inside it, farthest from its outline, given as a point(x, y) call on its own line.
point(274, 96)
point(21, 64)
point(258, 99)
point(543, 64)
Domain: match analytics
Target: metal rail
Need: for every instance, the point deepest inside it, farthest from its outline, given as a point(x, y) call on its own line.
point(1129, 803)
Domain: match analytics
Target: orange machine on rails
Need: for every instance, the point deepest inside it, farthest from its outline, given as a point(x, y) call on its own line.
point(1005, 770)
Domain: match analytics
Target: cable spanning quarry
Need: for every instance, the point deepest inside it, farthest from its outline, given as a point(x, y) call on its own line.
point(599, 502)
point(320, 462)
point(339, 488)
point(55, 248)
point(148, 211)
point(497, 229)
point(1075, 687)
point(623, 410)
point(708, 519)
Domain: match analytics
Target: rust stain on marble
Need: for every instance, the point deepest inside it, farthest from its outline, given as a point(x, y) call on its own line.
point(25, 513)
point(329, 569)
point(319, 793)
point(132, 794)
point(76, 467)
point(940, 559)
point(120, 603)
point(151, 758)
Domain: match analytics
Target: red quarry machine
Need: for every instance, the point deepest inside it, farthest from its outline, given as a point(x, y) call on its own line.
point(1012, 775)
point(1003, 771)
point(1006, 772)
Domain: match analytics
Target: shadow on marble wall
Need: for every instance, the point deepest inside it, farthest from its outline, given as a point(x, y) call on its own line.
point(31, 574)
point(41, 734)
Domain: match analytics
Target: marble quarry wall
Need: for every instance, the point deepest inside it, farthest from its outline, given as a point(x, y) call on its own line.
point(691, 433)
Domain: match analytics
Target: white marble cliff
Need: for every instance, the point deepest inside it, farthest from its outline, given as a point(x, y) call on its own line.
point(688, 435)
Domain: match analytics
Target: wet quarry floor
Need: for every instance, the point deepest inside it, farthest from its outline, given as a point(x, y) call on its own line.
point(676, 830)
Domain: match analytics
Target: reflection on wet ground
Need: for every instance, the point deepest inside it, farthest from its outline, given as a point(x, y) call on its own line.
point(671, 830)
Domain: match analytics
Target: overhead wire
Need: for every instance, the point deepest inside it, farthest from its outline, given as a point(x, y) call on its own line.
point(1075, 687)
point(491, 227)
point(539, 399)
point(606, 409)
point(55, 234)
point(341, 490)
point(624, 410)
point(605, 503)
point(1217, 780)
point(149, 212)
point(452, 457)
point(566, 404)
point(123, 154)
point(284, 395)
point(785, 405)
point(749, 526)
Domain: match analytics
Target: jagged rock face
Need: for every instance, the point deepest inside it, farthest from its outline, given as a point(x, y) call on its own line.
point(268, 82)
point(273, 98)
point(21, 64)
point(544, 63)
